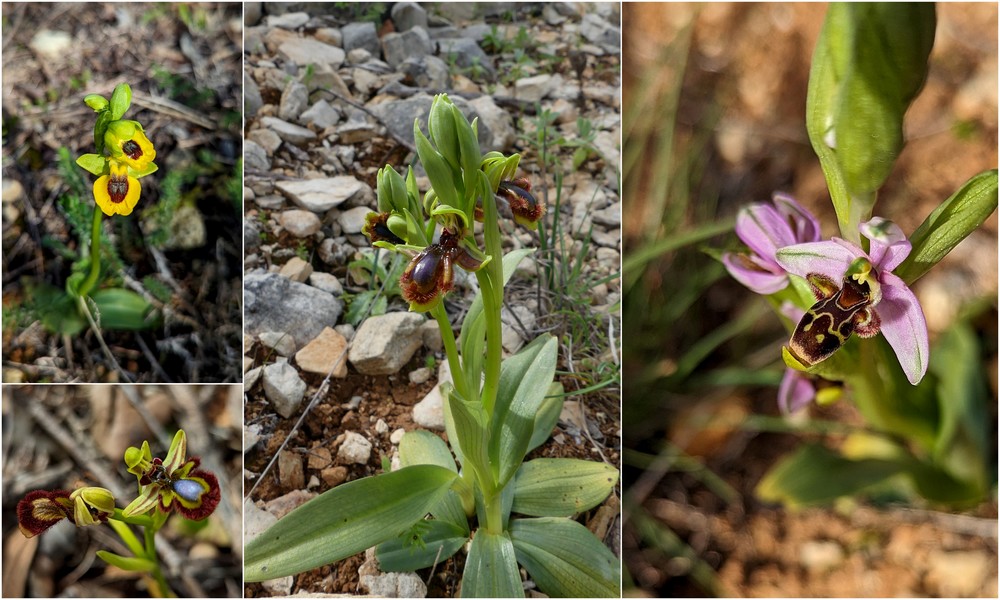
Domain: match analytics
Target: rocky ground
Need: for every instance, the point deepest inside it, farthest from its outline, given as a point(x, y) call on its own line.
point(331, 95)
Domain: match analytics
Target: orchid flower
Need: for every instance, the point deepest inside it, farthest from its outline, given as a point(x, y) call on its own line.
point(173, 482)
point(41, 509)
point(766, 228)
point(896, 310)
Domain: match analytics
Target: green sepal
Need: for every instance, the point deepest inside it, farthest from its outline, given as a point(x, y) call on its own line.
point(565, 559)
point(561, 487)
point(346, 520)
point(101, 129)
point(95, 164)
point(121, 99)
point(127, 563)
point(121, 309)
point(950, 223)
point(137, 173)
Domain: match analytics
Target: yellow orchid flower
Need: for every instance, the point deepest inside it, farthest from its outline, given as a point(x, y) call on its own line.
point(117, 192)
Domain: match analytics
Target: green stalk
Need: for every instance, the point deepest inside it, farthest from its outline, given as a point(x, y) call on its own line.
point(451, 349)
point(95, 253)
point(149, 533)
point(491, 283)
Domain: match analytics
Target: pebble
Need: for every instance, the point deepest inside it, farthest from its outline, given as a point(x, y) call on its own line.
point(255, 157)
point(429, 412)
point(384, 343)
point(324, 353)
point(534, 88)
point(421, 375)
point(320, 115)
point(353, 220)
point(300, 223)
point(296, 269)
point(397, 436)
point(304, 51)
point(290, 472)
point(284, 504)
point(360, 36)
point(251, 435)
point(389, 585)
point(355, 449)
point(283, 388)
point(294, 100)
point(292, 20)
point(407, 15)
point(326, 282)
point(820, 556)
point(397, 47)
point(289, 132)
point(381, 427)
point(333, 476)
point(319, 458)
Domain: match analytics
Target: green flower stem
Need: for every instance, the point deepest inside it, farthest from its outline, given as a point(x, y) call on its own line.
point(491, 283)
point(451, 349)
point(149, 534)
point(95, 253)
point(140, 520)
point(494, 512)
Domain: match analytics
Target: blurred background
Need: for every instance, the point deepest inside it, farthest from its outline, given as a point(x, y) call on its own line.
point(66, 437)
point(714, 118)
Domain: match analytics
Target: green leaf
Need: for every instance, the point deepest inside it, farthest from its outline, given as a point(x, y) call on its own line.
point(56, 309)
point(950, 223)
point(121, 98)
point(962, 394)
point(472, 435)
point(126, 563)
point(93, 163)
point(128, 536)
point(491, 568)
point(121, 309)
point(524, 379)
point(815, 475)
point(345, 520)
point(547, 415)
point(565, 559)
point(561, 487)
point(425, 448)
point(441, 540)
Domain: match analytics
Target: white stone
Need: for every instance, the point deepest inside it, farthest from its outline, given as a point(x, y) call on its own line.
point(320, 195)
point(355, 449)
point(283, 388)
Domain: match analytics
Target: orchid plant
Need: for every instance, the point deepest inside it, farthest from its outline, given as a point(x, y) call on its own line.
point(496, 411)
point(848, 302)
point(165, 485)
point(124, 155)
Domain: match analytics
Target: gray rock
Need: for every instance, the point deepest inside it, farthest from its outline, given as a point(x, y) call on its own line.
point(292, 20)
point(384, 343)
point(294, 100)
point(330, 35)
point(320, 195)
point(534, 88)
point(283, 388)
point(360, 36)
point(275, 303)
point(280, 342)
point(608, 239)
point(355, 449)
point(251, 13)
point(293, 134)
point(254, 157)
point(497, 120)
point(267, 139)
point(360, 56)
point(609, 258)
point(407, 15)
point(326, 78)
point(300, 223)
point(467, 53)
point(398, 117)
point(320, 115)
point(335, 251)
point(426, 71)
point(418, 376)
point(251, 435)
point(476, 31)
point(356, 132)
point(304, 51)
point(397, 47)
point(429, 412)
point(597, 30)
point(252, 101)
point(351, 221)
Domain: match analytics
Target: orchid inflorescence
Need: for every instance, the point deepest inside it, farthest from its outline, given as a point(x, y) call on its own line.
point(165, 485)
point(855, 292)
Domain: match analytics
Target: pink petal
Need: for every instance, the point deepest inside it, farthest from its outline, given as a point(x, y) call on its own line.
point(763, 229)
point(889, 246)
point(904, 326)
point(795, 392)
point(826, 258)
point(806, 226)
point(765, 279)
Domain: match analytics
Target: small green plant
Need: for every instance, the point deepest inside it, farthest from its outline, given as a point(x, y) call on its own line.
point(171, 484)
point(124, 155)
point(495, 412)
point(383, 285)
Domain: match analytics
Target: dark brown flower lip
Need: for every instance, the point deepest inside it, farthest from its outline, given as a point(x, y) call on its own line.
point(40, 509)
